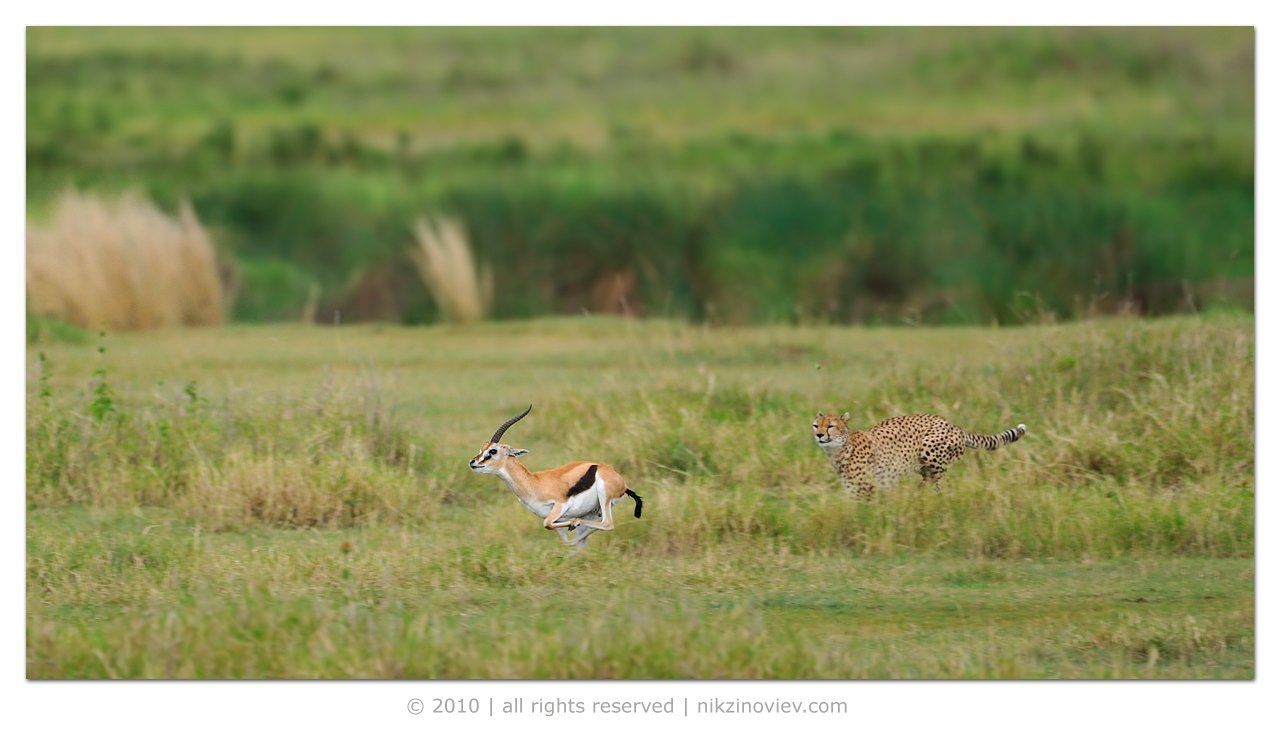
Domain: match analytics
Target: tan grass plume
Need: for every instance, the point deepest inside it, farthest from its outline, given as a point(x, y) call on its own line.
point(122, 264)
point(462, 290)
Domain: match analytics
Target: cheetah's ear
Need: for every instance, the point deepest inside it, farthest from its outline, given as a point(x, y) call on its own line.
point(845, 417)
point(820, 414)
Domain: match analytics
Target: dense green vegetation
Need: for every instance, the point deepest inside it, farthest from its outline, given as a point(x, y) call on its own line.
point(293, 501)
point(733, 175)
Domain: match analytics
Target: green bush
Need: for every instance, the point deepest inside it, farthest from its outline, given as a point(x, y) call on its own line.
point(272, 289)
point(49, 330)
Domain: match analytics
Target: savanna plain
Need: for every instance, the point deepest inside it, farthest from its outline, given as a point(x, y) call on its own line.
point(293, 501)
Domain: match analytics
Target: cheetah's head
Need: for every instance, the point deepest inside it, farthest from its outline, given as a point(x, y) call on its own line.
point(831, 432)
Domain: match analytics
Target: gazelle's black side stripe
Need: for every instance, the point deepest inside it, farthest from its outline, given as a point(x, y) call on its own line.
point(585, 482)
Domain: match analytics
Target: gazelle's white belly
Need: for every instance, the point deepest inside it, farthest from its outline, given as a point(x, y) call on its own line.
point(585, 504)
point(581, 505)
point(540, 509)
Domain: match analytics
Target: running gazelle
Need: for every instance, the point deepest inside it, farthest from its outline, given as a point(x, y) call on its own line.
point(575, 496)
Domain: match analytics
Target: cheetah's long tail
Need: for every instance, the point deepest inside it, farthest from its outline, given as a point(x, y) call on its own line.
point(994, 441)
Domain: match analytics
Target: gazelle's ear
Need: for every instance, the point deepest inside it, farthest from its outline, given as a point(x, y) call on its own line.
point(518, 452)
point(845, 417)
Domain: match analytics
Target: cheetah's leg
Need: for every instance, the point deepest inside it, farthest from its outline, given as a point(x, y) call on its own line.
point(859, 485)
point(933, 475)
point(936, 456)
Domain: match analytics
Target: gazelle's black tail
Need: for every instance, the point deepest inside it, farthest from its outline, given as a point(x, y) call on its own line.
point(639, 502)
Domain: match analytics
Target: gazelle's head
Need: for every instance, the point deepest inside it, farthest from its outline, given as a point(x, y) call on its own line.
point(493, 456)
point(831, 432)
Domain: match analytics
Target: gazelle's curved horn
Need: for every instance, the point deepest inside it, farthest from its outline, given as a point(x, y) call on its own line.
point(507, 424)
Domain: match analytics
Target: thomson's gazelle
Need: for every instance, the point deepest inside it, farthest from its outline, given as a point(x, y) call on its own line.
point(575, 496)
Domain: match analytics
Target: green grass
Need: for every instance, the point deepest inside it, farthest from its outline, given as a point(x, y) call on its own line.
point(732, 175)
point(293, 501)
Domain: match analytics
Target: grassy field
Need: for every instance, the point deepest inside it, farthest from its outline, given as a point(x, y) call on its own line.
point(292, 501)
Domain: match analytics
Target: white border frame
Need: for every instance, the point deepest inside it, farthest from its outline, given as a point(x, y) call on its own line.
point(355, 704)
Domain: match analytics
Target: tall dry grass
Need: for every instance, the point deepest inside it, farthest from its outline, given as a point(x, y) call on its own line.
point(462, 290)
point(122, 264)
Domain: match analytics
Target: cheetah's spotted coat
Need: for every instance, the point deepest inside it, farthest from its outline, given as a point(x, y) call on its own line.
point(882, 455)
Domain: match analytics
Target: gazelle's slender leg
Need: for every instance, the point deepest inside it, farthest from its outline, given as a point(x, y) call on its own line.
point(552, 520)
point(606, 510)
point(584, 530)
point(581, 541)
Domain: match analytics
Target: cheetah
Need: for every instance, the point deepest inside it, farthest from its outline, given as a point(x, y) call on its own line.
point(880, 456)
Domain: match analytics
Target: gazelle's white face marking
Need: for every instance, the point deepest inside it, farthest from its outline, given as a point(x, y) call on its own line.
point(831, 432)
point(493, 457)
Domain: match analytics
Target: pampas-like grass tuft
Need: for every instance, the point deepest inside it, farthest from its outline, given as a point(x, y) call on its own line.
point(122, 264)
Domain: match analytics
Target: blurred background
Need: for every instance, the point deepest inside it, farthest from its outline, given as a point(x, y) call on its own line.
point(199, 176)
